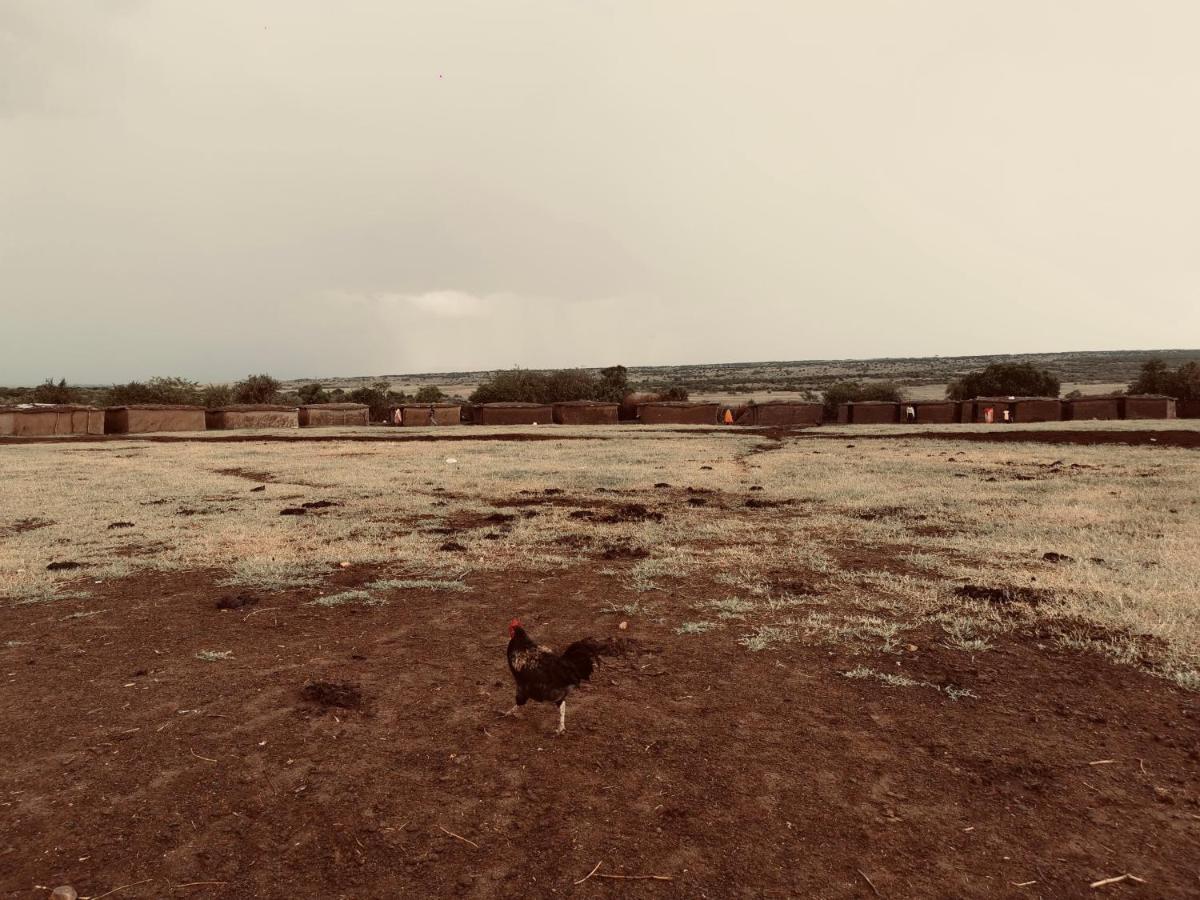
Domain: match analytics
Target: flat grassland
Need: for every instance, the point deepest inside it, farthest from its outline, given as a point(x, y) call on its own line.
point(857, 666)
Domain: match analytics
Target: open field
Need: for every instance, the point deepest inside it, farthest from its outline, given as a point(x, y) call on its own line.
point(910, 667)
point(922, 378)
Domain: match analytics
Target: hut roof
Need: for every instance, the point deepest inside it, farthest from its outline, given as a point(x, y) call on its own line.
point(515, 405)
point(874, 402)
point(325, 406)
point(254, 407)
point(1145, 396)
point(683, 404)
point(186, 406)
point(443, 405)
point(585, 403)
point(48, 407)
point(1013, 399)
point(784, 403)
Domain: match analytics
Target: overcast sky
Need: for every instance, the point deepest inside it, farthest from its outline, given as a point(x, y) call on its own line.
point(314, 188)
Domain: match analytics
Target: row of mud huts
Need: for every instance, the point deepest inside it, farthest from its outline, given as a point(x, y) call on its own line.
point(147, 418)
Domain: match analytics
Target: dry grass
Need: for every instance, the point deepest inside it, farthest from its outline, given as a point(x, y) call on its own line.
point(848, 545)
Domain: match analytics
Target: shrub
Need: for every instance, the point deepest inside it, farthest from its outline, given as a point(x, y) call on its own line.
point(170, 390)
point(216, 395)
point(313, 393)
point(854, 391)
point(1005, 380)
point(49, 392)
point(430, 393)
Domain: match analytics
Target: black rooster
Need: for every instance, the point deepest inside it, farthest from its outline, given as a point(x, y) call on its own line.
point(546, 676)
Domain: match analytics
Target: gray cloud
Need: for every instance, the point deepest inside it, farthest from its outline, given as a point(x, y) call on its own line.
point(212, 189)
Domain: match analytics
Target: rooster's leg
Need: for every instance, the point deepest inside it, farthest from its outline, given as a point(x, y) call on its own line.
point(562, 716)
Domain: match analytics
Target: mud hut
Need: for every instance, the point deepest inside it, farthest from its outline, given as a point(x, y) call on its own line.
point(148, 417)
point(870, 412)
point(1082, 409)
point(678, 412)
point(1187, 409)
point(931, 412)
point(1035, 409)
point(316, 415)
point(41, 420)
point(431, 414)
point(987, 409)
point(252, 415)
point(586, 412)
point(514, 414)
point(1147, 406)
point(781, 414)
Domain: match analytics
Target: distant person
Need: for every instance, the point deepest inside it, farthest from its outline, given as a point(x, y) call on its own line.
point(910, 413)
point(397, 417)
point(1007, 416)
point(728, 417)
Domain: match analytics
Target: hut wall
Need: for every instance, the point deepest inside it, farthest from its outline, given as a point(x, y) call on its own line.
point(874, 413)
point(498, 414)
point(843, 414)
point(678, 413)
point(586, 413)
point(140, 420)
point(321, 416)
point(45, 421)
point(937, 413)
point(427, 414)
point(1147, 408)
point(1184, 409)
point(1040, 409)
point(222, 419)
point(980, 410)
point(1086, 408)
point(416, 416)
point(783, 415)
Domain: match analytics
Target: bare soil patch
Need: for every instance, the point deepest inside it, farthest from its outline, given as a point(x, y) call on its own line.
point(128, 758)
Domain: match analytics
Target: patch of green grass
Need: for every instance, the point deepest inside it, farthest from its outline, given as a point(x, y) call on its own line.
point(695, 627)
point(268, 575)
point(363, 597)
point(1188, 679)
point(84, 615)
point(765, 636)
point(410, 584)
point(897, 680)
point(731, 607)
point(46, 593)
point(214, 655)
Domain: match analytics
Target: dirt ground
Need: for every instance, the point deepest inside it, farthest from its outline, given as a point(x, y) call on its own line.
point(280, 748)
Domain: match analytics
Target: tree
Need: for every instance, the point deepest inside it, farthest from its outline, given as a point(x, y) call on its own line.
point(430, 393)
point(1005, 380)
point(256, 389)
point(856, 391)
point(1186, 382)
point(313, 393)
point(1156, 378)
point(614, 384)
point(379, 397)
